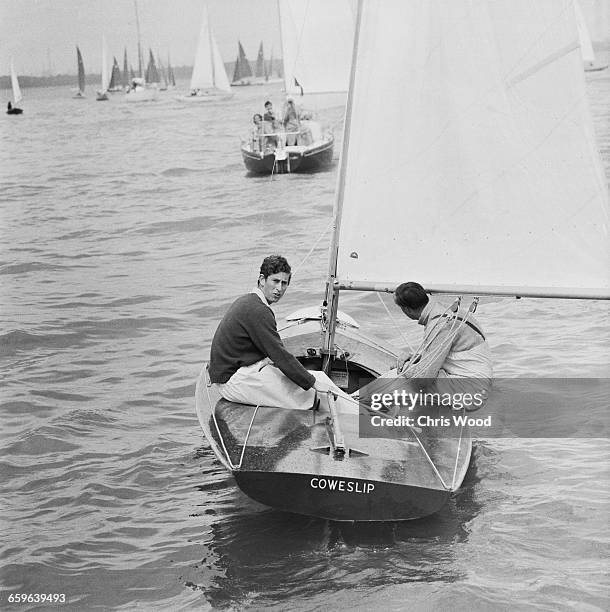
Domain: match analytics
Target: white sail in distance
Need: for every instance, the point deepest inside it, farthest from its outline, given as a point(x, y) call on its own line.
point(105, 78)
point(17, 97)
point(482, 173)
point(208, 69)
point(317, 42)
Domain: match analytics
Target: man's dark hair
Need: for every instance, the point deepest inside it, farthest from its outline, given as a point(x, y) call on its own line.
point(274, 264)
point(410, 295)
point(268, 102)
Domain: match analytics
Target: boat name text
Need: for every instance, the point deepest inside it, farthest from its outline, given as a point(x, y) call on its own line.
point(347, 486)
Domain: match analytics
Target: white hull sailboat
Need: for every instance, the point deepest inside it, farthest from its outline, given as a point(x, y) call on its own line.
point(496, 188)
point(17, 97)
point(209, 79)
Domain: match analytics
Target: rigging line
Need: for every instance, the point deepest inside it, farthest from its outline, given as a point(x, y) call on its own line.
point(315, 244)
point(408, 344)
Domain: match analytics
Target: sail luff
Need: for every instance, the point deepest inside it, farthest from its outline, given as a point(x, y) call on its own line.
point(17, 97)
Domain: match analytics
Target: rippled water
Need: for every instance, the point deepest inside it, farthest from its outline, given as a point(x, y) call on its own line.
point(126, 230)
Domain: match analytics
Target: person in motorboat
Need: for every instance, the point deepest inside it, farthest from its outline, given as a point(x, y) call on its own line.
point(290, 121)
point(256, 138)
point(248, 361)
point(454, 345)
point(270, 126)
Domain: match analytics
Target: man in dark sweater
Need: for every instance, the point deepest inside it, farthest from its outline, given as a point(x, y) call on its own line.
point(248, 361)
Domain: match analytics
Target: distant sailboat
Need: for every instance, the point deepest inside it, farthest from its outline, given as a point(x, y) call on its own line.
point(115, 76)
point(102, 94)
point(209, 78)
point(81, 75)
point(139, 90)
point(17, 97)
point(242, 74)
point(260, 70)
point(171, 79)
point(152, 74)
point(126, 74)
point(162, 74)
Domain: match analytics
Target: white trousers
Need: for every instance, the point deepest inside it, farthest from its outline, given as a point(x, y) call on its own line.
point(263, 384)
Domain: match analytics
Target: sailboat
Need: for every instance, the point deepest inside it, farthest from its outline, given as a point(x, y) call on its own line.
point(242, 73)
point(162, 74)
point(152, 74)
point(586, 46)
point(102, 94)
point(492, 185)
point(317, 40)
point(209, 79)
point(171, 79)
point(81, 75)
point(17, 97)
point(126, 73)
point(115, 76)
point(139, 90)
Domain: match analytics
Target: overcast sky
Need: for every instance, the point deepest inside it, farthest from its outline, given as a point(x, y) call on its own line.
point(37, 33)
point(42, 34)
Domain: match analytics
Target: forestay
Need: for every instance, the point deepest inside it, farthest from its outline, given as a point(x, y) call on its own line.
point(317, 42)
point(471, 159)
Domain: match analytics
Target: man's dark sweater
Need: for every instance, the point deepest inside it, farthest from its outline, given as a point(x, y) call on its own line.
point(247, 334)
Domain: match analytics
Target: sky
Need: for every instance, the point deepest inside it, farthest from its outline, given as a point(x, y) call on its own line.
point(41, 35)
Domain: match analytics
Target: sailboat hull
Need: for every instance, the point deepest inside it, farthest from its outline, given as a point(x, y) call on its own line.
point(285, 458)
point(298, 159)
point(207, 96)
point(359, 500)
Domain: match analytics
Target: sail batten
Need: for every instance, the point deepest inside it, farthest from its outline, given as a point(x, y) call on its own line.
point(482, 168)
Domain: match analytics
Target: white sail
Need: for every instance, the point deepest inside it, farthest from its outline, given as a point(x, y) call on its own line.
point(481, 169)
point(317, 42)
point(208, 69)
point(17, 97)
point(104, 67)
point(586, 46)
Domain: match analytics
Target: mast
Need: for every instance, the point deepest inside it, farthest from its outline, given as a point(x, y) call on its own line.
point(207, 20)
point(332, 288)
point(139, 45)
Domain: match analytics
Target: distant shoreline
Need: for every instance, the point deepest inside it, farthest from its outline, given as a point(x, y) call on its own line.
point(60, 80)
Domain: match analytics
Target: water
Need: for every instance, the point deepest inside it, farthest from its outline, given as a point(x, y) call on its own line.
point(126, 232)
